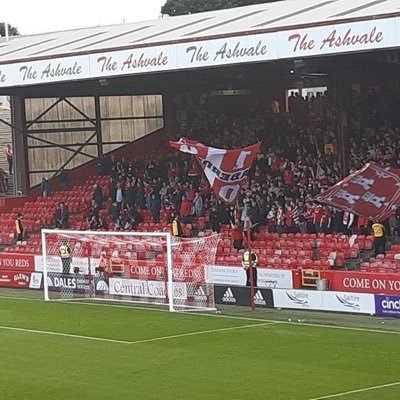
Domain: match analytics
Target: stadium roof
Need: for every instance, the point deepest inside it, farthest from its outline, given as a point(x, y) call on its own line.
point(243, 22)
point(257, 18)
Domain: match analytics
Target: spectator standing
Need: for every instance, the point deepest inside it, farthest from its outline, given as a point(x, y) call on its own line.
point(139, 190)
point(155, 207)
point(3, 181)
point(112, 188)
point(136, 218)
point(119, 195)
point(114, 212)
point(130, 194)
point(237, 236)
point(379, 238)
point(102, 166)
point(215, 220)
point(185, 209)
point(148, 191)
point(19, 228)
point(198, 205)
point(94, 210)
point(98, 195)
point(10, 157)
point(57, 217)
point(63, 178)
point(64, 215)
point(45, 186)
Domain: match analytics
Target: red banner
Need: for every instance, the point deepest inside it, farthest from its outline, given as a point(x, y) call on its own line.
point(24, 280)
point(363, 282)
point(226, 170)
point(372, 192)
point(140, 270)
point(17, 262)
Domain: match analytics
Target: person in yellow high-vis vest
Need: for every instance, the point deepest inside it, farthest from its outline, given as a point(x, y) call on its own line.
point(379, 238)
point(246, 266)
point(176, 227)
point(65, 254)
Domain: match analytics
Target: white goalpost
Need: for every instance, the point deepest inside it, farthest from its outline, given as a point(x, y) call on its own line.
point(140, 267)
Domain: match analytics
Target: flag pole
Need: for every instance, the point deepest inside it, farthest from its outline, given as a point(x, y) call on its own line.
point(253, 307)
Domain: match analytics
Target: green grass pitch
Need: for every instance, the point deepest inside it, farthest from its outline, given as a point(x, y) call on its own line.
point(57, 352)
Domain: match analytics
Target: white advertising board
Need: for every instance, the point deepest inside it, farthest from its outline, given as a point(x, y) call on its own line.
point(362, 303)
point(36, 280)
point(236, 276)
point(54, 264)
point(298, 299)
point(275, 278)
point(325, 301)
point(224, 275)
point(144, 288)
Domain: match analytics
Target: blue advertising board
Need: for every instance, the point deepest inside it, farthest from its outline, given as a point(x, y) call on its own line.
point(388, 306)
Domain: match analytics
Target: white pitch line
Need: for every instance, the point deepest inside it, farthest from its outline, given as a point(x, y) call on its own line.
point(331, 396)
point(232, 328)
point(70, 335)
point(348, 328)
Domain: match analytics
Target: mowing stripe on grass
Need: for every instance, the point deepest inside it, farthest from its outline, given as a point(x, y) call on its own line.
point(349, 328)
point(331, 396)
point(232, 328)
point(156, 339)
point(70, 335)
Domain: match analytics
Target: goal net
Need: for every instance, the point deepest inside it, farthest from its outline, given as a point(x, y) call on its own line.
point(140, 267)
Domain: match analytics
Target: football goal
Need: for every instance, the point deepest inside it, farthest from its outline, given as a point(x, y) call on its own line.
point(140, 267)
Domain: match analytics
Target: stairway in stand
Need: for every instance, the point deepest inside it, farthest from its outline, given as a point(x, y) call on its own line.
point(5, 138)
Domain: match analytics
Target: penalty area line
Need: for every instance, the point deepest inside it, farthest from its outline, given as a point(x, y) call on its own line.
point(181, 335)
point(69, 335)
point(331, 396)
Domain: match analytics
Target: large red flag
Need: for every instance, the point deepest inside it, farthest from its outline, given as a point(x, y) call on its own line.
point(372, 192)
point(226, 170)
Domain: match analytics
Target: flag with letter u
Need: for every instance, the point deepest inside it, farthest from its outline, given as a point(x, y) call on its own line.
point(226, 170)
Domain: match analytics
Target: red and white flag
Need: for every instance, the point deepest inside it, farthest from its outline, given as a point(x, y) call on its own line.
point(372, 192)
point(226, 170)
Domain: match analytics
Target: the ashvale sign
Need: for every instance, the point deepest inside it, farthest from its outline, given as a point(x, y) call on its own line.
point(227, 51)
point(35, 72)
point(149, 59)
point(341, 38)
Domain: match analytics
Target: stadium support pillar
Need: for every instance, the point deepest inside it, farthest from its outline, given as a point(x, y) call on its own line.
point(20, 145)
point(251, 271)
point(169, 111)
point(99, 132)
point(341, 101)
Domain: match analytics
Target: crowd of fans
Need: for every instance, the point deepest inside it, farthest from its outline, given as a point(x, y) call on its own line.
point(299, 159)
